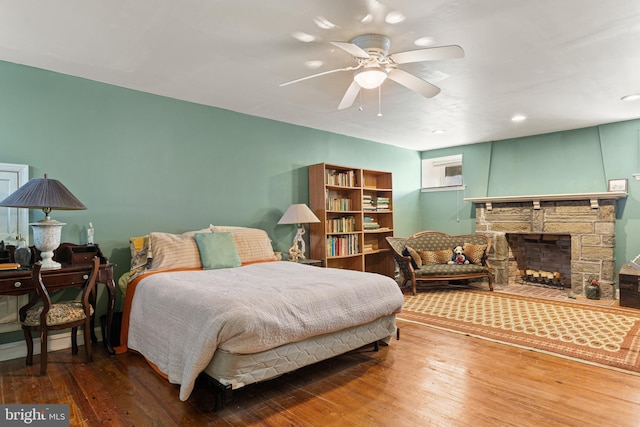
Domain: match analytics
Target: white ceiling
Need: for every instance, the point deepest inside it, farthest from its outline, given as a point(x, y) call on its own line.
point(564, 64)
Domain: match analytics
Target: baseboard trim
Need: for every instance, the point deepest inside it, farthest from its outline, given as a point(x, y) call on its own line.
point(18, 349)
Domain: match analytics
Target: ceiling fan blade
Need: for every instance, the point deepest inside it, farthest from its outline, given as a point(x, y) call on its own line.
point(414, 83)
point(317, 75)
point(352, 49)
point(429, 54)
point(350, 96)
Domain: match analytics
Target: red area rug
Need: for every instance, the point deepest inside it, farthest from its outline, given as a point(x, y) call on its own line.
point(605, 336)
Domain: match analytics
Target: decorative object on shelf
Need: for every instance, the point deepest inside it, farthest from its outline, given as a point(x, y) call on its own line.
point(90, 234)
point(22, 254)
point(617, 185)
point(592, 291)
point(46, 194)
point(299, 214)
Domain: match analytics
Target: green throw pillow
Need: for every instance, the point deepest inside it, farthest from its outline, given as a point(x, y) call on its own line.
point(217, 250)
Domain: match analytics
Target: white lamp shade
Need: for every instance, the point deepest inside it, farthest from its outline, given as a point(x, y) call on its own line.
point(298, 214)
point(370, 78)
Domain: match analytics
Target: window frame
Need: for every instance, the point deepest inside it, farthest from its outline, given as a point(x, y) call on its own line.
point(433, 173)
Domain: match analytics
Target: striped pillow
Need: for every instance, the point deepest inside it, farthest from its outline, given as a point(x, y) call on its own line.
point(253, 244)
point(172, 251)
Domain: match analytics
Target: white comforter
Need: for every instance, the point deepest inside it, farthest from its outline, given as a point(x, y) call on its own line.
point(179, 319)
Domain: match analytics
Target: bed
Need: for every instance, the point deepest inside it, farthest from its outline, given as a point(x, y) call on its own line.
point(245, 317)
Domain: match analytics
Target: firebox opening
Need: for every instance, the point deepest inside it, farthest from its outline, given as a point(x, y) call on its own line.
point(539, 259)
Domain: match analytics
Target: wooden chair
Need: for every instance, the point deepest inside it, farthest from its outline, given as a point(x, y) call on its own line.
point(59, 315)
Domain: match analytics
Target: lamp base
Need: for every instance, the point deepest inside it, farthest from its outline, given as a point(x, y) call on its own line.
point(48, 263)
point(296, 252)
point(46, 237)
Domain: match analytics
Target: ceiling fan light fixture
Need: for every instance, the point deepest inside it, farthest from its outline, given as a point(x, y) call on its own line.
point(370, 78)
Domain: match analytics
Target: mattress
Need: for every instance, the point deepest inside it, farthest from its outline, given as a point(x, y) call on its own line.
point(238, 370)
point(180, 320)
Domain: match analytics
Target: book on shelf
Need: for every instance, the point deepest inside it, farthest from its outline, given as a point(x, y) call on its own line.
point(369, 223)
point(369, 247)
point(340, 178)
point(342, 245)
point(336, 202)
point(341, 225)
point(382, 203)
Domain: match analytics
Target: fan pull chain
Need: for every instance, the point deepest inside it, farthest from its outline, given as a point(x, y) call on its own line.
point(380, 101)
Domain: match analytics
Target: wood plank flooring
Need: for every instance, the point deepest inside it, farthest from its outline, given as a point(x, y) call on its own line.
point(428, 378)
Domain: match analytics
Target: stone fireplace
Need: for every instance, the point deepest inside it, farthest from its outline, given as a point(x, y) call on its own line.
point(531, 255)
point(581, 224)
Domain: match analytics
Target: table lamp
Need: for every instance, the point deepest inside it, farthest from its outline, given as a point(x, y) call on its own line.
point(299, 214)
point(46, 194)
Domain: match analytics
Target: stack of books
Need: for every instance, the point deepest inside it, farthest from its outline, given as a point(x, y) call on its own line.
point(367, 203)
point(382, 203)
point(370, 223)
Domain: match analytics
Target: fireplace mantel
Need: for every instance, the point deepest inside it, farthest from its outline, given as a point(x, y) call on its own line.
point(536, 199)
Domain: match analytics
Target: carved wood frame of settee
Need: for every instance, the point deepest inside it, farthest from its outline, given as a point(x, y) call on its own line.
point(434, 240)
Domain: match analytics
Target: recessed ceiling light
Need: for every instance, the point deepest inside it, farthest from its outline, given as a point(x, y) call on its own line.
point(438, 131)
point(313, 64)
point(303, 37)
point(632, 97)
point(518, 118)
point(394, 18)
point(424, 41)
point(366, 19)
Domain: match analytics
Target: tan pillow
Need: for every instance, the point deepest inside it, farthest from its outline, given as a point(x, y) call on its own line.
point(474, 253)
point(415, 257)
point(436, 257)
point(171, 251)
point(253, 244)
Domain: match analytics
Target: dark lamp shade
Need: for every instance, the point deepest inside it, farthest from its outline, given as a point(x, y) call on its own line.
point(43, 193)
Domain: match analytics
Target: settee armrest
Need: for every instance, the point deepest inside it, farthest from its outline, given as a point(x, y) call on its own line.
point(397, 245)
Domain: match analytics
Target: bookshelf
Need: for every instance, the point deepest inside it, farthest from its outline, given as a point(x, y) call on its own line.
point(355, 208)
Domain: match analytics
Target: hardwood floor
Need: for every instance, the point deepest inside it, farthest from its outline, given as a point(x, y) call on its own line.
point(428, 378)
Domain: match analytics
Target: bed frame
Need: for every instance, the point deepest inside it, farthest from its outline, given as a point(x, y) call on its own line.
point(228, 372)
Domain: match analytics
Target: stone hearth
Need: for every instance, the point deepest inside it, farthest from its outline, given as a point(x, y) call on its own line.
point(587, 219)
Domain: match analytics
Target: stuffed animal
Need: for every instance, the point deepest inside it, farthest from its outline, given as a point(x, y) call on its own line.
point(458, 256)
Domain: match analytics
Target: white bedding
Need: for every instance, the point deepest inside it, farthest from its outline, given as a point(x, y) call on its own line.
point(179, 319)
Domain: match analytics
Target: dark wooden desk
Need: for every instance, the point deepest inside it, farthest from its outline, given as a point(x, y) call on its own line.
point(19, 282)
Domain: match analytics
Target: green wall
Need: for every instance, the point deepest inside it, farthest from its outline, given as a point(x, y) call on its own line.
point(576, 161)
point(143, 163)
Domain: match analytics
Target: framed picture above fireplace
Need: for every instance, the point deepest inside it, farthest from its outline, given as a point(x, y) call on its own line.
point(617, 185)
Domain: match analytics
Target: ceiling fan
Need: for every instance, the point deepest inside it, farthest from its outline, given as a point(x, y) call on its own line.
point(375, 65)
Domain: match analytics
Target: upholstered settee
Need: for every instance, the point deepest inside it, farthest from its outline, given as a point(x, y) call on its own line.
point(427, 256)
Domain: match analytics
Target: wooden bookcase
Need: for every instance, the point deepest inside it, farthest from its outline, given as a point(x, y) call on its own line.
point(355, 209)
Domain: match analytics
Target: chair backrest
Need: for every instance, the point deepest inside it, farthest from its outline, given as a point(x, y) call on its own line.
point(89, 276)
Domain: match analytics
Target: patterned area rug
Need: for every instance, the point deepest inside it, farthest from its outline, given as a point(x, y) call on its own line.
point(604, 336)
